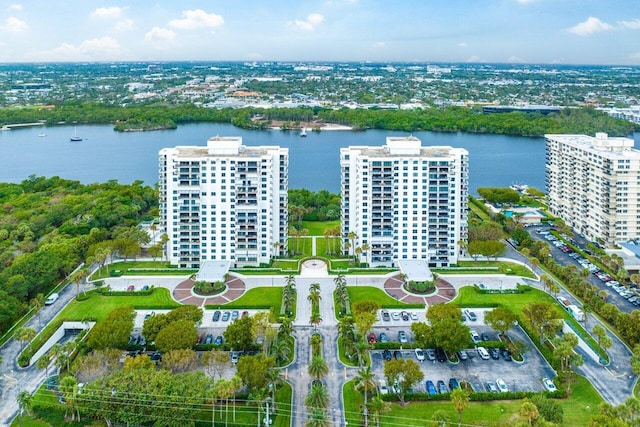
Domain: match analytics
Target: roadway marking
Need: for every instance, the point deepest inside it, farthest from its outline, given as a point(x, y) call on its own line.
point(613, 374)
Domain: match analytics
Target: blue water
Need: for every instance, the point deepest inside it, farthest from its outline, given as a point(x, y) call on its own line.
point(104, 154)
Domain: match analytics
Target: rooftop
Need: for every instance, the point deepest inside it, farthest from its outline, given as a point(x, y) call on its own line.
point(415, 270)
point(213, 271)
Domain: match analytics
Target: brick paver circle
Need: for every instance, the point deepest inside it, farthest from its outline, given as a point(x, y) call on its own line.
point(184, 294)
point(444, 292)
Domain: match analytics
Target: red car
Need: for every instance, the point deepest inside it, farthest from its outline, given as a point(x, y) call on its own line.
point(372, 338)
point(131, 288)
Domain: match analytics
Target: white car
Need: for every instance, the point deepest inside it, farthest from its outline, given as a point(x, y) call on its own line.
point(414, 316)
point(549, 385)
point(395, 315)
point(52, 298)
point(382, 387)
point(475, 337)
point(502, 386)
point(419, 354)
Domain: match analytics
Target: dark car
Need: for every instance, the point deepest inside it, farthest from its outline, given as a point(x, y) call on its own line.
point(219, 340)
point(200, 339)
point(453, 383)
point(405, 315)
point(208, 339)
point(431, 388)
point(484, 336)
point(225, 316)
point(506, 354)
point(145, 288)
point(440, 355)
point(495, 353)
point(397, 354)
point(372, 338)
point(386, 355)
point(385, 316)
point(492, 387)
point(131, 288)
point(245, 313)
point(156, 356)
point(216, 315)
point(442, 387)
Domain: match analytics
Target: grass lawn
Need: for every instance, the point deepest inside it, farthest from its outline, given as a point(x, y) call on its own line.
point(283, 399)
point(285, 264)
point(352, 403)
point(369, 293)
point(577, 409)
point(300, 245)
point(317, 228)
point(510, 268)
point(124, 268)
point(258, 298)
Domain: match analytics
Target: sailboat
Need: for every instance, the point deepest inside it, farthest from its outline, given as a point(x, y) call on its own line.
point(75, 137)
point(303, 133)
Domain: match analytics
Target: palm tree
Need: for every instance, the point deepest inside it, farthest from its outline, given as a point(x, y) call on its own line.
point(36, 304)
point(100, 257)
point(281, 351)
point(235, 384)
point(365, 248)
point(276, 247)
point(358, 252)
point(318, 397)
point(315, 320)
point(318, 367)
point(274, 381)
point(327, 235)
point(43, 363)
point(69, 389)
point(304, 233)
point(376, 406)
point(546, 281)
point(318, 419)
point(78, 277)
point(24, 334)
point(164, 239)
point(460, 399)
point(258, 396)
point(365, 381)
point(440, 418)
point(352, 237)
point(286, 328)
point(529, 411)
point(24, 400)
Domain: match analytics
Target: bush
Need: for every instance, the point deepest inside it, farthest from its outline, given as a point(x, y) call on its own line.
point(203, 287)
point(549, 409)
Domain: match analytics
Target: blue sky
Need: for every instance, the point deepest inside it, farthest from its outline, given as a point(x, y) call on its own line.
point(530, 31)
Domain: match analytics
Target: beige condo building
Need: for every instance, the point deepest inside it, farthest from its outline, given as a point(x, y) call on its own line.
point(593, 184)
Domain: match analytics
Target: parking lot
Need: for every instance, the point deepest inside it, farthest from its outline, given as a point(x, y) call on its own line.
point(518, 376)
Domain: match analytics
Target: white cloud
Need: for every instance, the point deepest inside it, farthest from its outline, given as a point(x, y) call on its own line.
point(590, 26)
point(193, 19)
point(113, 12)
point(515, 59)
point(633, 25)
point(463, 44)
point(15, 7)
point(14, 25)
point(254, 56)
point(92, 49)
point(474, 58)
point(313, 20)
point(378, 45)
point(124, 25)
point(158, 33)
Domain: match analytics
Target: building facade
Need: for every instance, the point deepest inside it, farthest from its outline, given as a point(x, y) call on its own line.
point(593, 184)
point(404, 201)
point(224, 202)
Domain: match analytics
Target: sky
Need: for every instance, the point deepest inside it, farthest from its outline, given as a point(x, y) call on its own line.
point(504, 31)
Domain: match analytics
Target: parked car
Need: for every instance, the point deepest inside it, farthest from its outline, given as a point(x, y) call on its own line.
point(208, 339)
point(145, 288)
point(200, 339)
point(484, 336)
point(506, 354)
point(382, 387)
point(484, 354)
point(419, 354)
point(475, 337)
point(414, 316)
point(549, 385)
point(386, 355)
point(372, 338)
point(142, 340)
point(471, 315)
point(491, 387)
point(234, 315)
point(405, 316)
point(216, 315)
point(225, 316)
point(440, 355)
point(219, 340)
point(453, 383)
point(234, 357)
point(395, 315)
point(245, 313)
point(385, 316)
point(383, 337)
point(431, 387)
point(156, 356)
point(402, 337)
point(131, 288)
point(442, 387)
point(397, 354)
point(502, 386)
point(431, 354)
point(463, 355)
point(494, 353)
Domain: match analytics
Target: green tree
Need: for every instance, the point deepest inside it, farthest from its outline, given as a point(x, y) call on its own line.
point(239, 334)
point(113, 331)
point(403, 372)
point(318, 397)
point(604, 341)
point(186, 312)
point(318, 367)
point(215, 362)
point(450, 334)
point(529, 411)
point(422, 334)
point(153, 325)
point(141, 361)
point(543, 317)
point(179, 360)
point(501, 319)
point(376, 407)
point(181, 334)
point(253, 371)
point(36, 304)
point(24, 399)
point(24, 335)
point(365, 381)
point(438, 312)
point(460, 400)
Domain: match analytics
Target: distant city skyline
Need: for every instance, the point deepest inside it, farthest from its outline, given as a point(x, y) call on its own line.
point(505, 31)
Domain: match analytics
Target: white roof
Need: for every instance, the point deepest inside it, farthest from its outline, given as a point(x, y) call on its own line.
point(416, 270)
point(213, 271)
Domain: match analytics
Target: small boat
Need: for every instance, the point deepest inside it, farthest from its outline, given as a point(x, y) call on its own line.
point(303, 133)
point(4, 128)
point(75, 137)
point(42, 135)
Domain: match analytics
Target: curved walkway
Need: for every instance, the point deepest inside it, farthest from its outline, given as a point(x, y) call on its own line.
point(183, 293)
point(445, 292)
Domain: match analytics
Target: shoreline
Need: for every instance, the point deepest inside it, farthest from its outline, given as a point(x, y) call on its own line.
point(325, 127)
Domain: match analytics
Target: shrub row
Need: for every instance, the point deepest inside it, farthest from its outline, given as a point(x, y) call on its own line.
point(479, 396)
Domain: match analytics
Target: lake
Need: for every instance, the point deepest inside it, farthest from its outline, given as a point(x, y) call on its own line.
point(494, 160)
